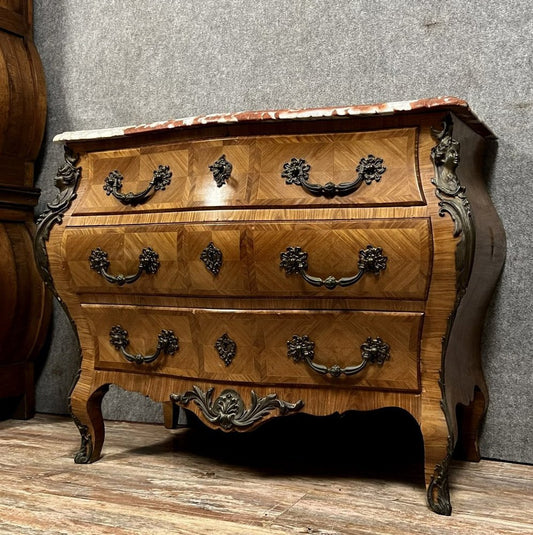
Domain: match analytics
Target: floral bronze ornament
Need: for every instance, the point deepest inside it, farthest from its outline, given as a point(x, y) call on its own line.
point(160, 180)
point(369, 169)
point(221, 170)
point(371, 259)
point(228, 412)
point(294, 261)
point(148, 263)
point(166, 343)
point(212, 258)
point(302, 349)
point(296, 171)
point(226, 349)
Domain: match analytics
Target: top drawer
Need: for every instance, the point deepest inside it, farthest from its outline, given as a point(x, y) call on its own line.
point(372, 168)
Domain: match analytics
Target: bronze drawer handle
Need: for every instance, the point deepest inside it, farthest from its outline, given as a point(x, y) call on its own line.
point(166, 342)
point(160, 180)
point(148, 262)
point(297, 172)
point(301, 348)
point(371, 260)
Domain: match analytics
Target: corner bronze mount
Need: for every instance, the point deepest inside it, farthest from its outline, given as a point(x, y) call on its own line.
point(160, 180)
point(438, 491)
point(66, 181)
point(221, 170)
point(302, 349)
point(446, 157)
point(148, 262)
point(228, 411)
point(369, 169)
point(294, 261)
point(166, 343)
point(453, 201)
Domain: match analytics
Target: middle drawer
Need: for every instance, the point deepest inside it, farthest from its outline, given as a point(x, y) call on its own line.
point(386, 258)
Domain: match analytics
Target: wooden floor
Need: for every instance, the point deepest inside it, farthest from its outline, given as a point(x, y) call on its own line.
point(299, 477)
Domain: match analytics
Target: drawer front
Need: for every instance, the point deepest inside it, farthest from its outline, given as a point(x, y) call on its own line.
point(246, 259)
point(137, 169)
point(335, 159)
point(380, 166)
point(259, 346)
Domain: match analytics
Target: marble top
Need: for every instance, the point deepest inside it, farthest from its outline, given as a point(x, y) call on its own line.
point(458, 106)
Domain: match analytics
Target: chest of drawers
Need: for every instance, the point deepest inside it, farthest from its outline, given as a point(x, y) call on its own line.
point(261, 264)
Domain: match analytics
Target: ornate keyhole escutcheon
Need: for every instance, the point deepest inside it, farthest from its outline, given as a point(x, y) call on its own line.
point(212, 258)
point(226, 349)
point(221, 170)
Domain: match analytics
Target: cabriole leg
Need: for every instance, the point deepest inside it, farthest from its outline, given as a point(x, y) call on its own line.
point(438, 448)
point(87, 415)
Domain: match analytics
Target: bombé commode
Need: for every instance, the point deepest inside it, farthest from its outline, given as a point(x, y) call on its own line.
point(263, 264)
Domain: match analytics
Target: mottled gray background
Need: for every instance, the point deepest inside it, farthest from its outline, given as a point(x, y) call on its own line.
point(114, 63)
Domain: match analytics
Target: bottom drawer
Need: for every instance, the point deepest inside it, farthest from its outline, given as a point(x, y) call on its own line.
point(350, 349)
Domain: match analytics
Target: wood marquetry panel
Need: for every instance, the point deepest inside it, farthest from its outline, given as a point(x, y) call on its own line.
point(338, 337)
point(137, 167)
point(260, 339)
point(257, 164)
point(261, 342)
point(250, 258)
point(333, 250)
point(334, 158)
point(205, 191)
point(143, 325)
point(123, 249)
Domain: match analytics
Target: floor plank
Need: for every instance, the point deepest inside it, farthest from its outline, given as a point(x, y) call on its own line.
point(306, 477)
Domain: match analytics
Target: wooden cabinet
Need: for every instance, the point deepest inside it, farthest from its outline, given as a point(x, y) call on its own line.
point(271, 263)
point(24, 306)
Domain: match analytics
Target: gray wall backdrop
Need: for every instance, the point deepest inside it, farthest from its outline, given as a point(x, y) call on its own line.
point(118, 62)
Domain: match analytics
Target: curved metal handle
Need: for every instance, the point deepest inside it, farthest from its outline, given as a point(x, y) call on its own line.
point(297, 172)
point(166, 342)
point(160, 180)
point(371, 260)
point(301, 348)
point(148, 261)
